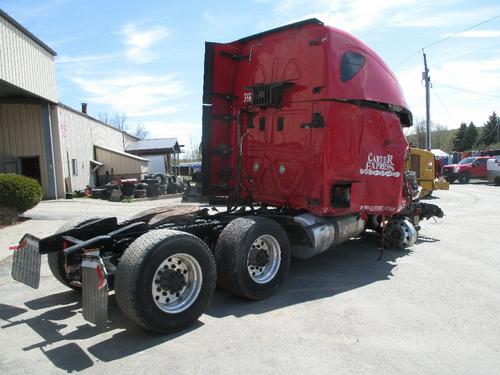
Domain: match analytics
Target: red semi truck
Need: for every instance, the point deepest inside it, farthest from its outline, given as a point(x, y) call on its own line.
point(302, 137)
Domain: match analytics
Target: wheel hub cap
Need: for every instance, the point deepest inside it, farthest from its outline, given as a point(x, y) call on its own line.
point(264, 259)
point(177, 283)
point(172, 281)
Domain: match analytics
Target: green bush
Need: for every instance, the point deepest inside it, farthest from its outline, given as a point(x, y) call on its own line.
point(19, 193)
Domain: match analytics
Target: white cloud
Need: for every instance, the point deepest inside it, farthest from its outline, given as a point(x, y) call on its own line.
point(136, 95)
point(477, 34)
point(361, 15)
point(139, 40)
point(63, 59)
point(354, 15)
point(427, 15)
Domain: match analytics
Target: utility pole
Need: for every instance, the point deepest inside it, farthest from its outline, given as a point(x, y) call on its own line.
point(427, 79)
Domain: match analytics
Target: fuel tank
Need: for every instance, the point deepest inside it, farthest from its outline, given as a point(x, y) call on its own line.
point(324, 232)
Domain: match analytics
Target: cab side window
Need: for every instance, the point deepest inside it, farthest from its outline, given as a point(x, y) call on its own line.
point(350, 64)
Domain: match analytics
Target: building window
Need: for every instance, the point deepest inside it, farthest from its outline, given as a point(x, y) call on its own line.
point(350, 65)
point(74, 167)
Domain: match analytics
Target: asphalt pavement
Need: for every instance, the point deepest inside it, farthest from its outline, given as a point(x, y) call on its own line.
point(434, 308)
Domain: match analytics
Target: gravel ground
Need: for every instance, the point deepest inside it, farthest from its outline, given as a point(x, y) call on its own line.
point(432, 309)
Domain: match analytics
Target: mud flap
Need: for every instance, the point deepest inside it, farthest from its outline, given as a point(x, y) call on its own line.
point(94, 290)
point(27, 261)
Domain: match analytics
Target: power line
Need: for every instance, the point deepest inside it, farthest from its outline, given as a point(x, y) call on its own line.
point(463, 31)
point(446, 38)
point(407, 59)
point(473, 51)
point(465, 90)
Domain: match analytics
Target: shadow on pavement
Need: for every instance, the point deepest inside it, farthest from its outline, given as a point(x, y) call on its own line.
point(70, 356)
point(351, 266)
point(336, 271)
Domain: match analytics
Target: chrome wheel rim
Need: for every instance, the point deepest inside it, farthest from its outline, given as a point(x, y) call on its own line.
point(264, 259)
point(177, 283)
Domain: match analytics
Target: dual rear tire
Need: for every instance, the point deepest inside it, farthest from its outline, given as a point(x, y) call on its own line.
point(165, 279)
point(253, 257)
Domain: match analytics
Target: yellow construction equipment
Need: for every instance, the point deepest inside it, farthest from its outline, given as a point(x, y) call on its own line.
point(423, 163)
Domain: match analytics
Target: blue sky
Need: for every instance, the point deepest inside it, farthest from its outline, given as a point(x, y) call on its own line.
point(145, 58)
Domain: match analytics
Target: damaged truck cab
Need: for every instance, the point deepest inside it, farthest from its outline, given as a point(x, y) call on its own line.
point(306, 117)
point(302, 137)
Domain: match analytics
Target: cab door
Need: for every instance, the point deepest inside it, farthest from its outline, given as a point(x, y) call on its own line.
point(478, 168)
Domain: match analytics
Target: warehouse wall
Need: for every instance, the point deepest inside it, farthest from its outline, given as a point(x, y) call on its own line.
point(21, 135)
point(26, 64)
point(78, 135)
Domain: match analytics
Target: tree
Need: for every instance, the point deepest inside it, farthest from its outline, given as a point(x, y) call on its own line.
point(440, 137)
point(141, 132)
point(458, 142)
point(470, 136)
point(419, 132)
point(117, 120)
point(491, 130)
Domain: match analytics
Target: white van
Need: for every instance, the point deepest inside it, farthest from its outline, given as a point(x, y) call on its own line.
point(493, 170)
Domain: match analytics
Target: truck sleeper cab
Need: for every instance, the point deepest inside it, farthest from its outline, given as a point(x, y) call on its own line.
point(314, 117)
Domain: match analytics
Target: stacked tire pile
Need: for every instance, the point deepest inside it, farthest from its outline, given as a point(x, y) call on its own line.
point(159, 184)
point(150, 187)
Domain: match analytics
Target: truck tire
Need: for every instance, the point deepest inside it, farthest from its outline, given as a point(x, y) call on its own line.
point(464, 178)
point(253, 257)
point(160, 178)
point(165, 280)
point(56, 259)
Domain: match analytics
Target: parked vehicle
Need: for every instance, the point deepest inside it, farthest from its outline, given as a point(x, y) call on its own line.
point(471, 167)
point(424, 164)
point(302, 137)
point(493, 170)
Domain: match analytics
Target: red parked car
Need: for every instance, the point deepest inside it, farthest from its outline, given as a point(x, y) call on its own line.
point(471, 167)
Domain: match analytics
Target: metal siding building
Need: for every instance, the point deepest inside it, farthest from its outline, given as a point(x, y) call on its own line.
point(25, 61)
point(27, 90)
point(21, 137)
point(41, 138)
point(79, 136)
